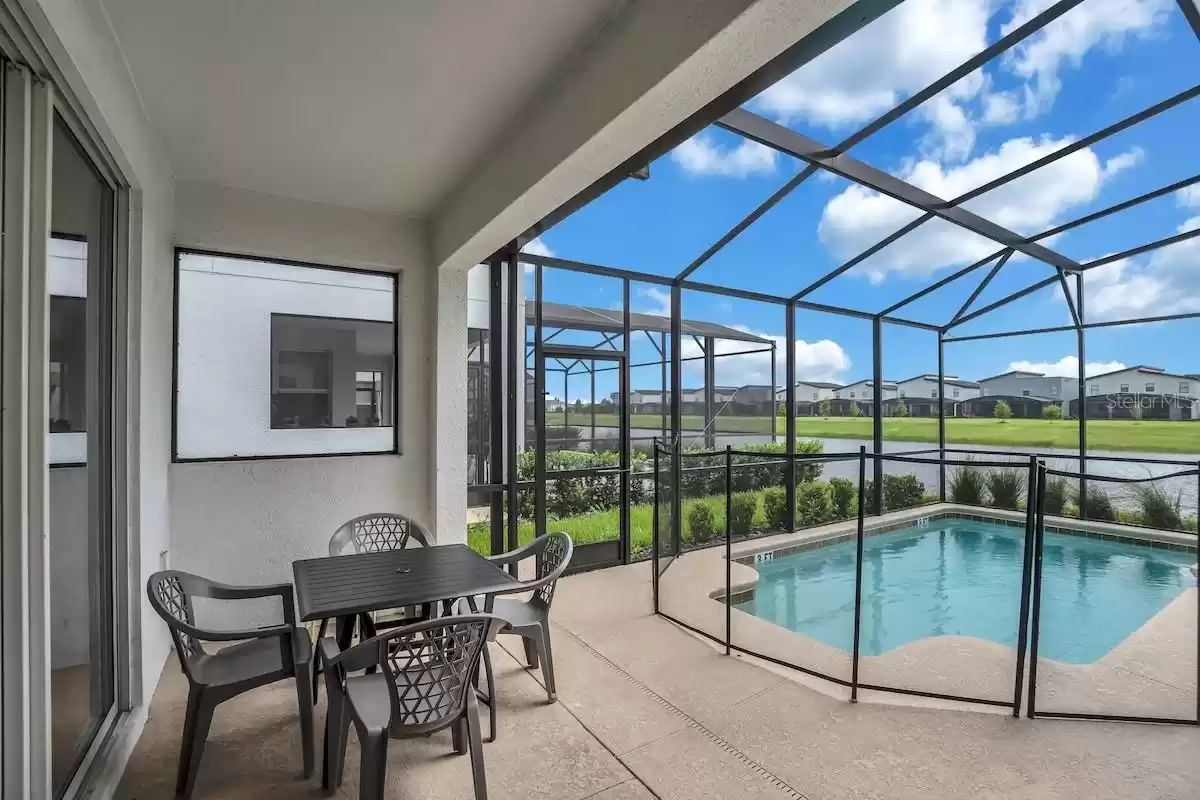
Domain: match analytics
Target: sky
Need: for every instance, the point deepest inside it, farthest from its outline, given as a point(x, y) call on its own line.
point(1099, 63)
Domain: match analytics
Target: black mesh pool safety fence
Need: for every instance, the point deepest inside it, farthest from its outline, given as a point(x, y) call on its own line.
point(985, 599)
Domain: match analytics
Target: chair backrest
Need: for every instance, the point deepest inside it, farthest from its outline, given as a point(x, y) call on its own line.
point(170, 593)
point(553, 552)
point(431, 667)
point(373, 533)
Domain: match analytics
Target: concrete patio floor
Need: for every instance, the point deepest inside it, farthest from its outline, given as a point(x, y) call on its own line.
point(648, 710)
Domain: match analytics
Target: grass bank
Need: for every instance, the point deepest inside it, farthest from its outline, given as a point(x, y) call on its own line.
point(1154, 436)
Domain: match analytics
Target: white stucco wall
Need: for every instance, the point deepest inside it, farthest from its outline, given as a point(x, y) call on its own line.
point(245, 522)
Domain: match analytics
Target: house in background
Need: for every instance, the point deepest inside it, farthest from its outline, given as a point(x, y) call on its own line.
point(865, 390)
point(926, 387)
point(1143, 379)
point(1022, 383)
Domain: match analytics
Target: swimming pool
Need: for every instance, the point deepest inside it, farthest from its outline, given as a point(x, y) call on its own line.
point(958, 577)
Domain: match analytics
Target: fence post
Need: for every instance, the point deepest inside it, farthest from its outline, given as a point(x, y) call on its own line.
point(858, 570)
point(1033, 506)
point(654, 540)
point(1036, 614)
point(728, 544)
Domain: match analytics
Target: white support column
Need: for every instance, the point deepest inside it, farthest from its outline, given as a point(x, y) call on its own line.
point(449, 405)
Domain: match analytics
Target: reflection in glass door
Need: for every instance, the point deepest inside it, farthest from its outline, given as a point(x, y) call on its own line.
point(79, 282)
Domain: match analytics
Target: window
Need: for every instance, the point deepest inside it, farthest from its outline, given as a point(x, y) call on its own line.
point(1024, 393)
point(814, 395)
point(1054, 389)
point(1094, 389)
point(983, 392)
point(1124, 388)
point(902, 393)
point(933, 393)
point(852, 395)
point(1149, 388)
point(282, 359)
point(956, 391)
point(1184, 387)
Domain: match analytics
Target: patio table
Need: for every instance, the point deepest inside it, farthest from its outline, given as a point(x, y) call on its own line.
point(344, 586)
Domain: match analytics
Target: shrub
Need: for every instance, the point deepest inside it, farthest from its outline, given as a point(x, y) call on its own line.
point(825, 408)
point(775, 507)
point(854, 410)
point(813, 504)
point(1052, 411)
point(841, 491)
point(1005, 488)
point(781, 411)
point(743, 506)
point(702, 522)
point(1054, 498)
point(901, 410)
point(808, 470)
point(1158, 508)
point(1002, 410)
point(1099, 505)
point(966, 485)
point(902, 491)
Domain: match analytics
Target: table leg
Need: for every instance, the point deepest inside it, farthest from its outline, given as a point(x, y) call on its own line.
point(345, 632)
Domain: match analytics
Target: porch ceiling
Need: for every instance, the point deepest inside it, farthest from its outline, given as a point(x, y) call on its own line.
point(375, 104)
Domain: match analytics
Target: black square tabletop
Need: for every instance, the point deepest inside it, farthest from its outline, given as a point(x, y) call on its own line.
point(339, 586)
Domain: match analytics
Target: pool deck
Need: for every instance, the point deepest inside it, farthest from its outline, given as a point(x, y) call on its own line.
point(647, 710)
point(1152, 673)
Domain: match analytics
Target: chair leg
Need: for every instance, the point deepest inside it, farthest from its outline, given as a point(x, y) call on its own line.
point(490, 702)
point(478, 775)
point(547, 664)
point(337, 732)
point(531, 652)
point(373, 769)
point(304, 695)
point(458, 736)
point(196, 724)
point(316, 662)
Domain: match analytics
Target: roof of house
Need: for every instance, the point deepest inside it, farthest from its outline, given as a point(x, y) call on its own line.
point(886, 383)
point(952, 380)
point(992, 397)
point(1014, 372)
point(1144, 368)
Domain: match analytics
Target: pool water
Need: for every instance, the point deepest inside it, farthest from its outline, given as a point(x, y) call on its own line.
point(958, 577)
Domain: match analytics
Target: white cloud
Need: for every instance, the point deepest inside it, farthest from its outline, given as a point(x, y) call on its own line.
point(857, 217)
point(700, 155)
point(659, 302)
point(1064, 42)
point(895, 56)
point(1123, 161)
point(1166, 281)
point(536, 247)
point(822, 360)
point(1189, 196)
point(1066, 367)
point(1001, 108)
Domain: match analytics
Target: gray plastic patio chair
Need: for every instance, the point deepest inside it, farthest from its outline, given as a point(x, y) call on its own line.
point(267, 655)
point(374, 533)
point(424, 683)
point(530, 619)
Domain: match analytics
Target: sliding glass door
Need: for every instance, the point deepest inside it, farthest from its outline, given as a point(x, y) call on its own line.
point(79, 283)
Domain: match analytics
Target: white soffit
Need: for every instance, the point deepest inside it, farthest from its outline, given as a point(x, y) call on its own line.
point(375, 104)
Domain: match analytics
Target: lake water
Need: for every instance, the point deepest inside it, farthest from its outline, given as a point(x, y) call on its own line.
point(1056, 458)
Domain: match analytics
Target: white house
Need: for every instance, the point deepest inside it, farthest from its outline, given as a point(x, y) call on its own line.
point(926, 386)
point(1023, 383)
point(811, 391)
point(1143, 379)
point(865, 390)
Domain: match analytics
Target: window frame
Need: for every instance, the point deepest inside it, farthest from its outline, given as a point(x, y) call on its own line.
point(397, 406)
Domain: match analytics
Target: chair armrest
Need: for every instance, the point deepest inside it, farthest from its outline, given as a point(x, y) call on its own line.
point(328, 650)
point(284, 591)
point(235, 635)
point(520, 554)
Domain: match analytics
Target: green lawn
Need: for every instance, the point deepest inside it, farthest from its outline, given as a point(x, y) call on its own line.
point(1148, 435)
